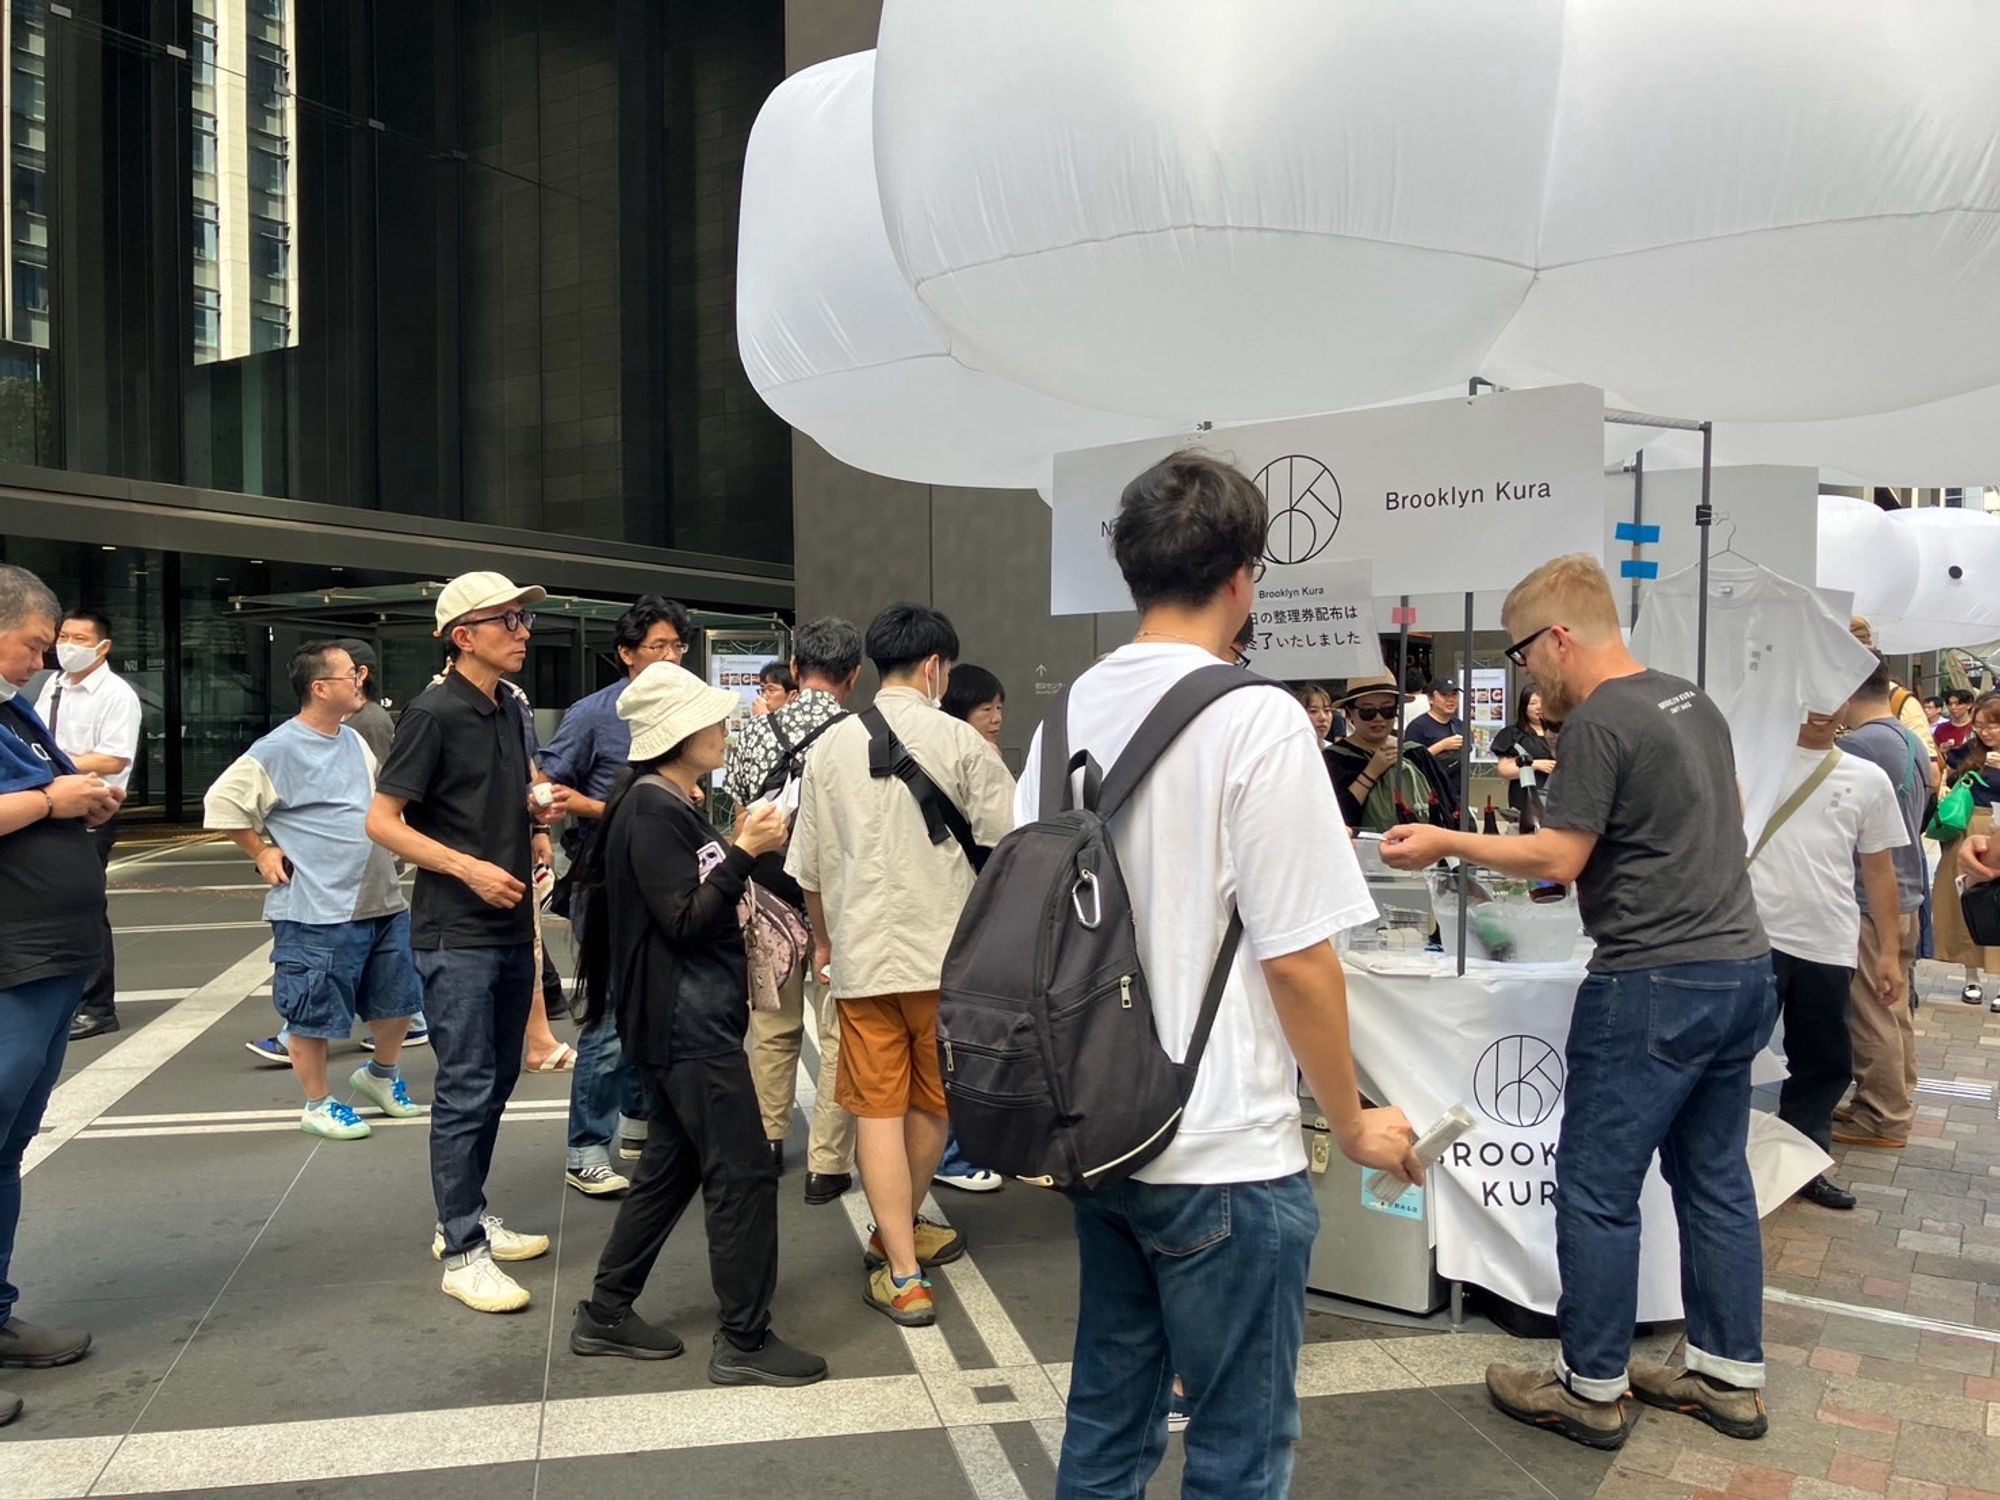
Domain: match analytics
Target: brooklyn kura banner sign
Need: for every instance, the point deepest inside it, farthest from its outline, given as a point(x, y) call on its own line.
point(1438, 496)
point(1493, 1041)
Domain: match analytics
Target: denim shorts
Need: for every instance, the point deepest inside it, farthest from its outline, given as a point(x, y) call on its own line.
point(328, 974)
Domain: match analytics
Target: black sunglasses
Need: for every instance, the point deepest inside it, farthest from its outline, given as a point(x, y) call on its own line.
point(1373, 715)
point(1518, 652)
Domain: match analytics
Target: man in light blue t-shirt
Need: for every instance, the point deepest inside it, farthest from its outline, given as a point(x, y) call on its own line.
point(297, 803)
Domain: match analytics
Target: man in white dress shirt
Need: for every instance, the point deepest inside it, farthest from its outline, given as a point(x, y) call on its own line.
point(94, 715)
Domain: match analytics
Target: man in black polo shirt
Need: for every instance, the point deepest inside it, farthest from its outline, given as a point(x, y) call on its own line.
point(453, 800)
point(51, 932)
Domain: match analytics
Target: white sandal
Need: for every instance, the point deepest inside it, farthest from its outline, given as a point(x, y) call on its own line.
point(562, 1060)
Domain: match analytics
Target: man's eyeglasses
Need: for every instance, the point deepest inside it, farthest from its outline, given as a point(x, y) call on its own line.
point(1372, 715)
point(512, 620)
point(354, 676)
point(1518, 652)
point(675, 648)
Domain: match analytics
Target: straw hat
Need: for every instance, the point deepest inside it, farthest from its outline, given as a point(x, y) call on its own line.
point(1362, 687)
point(666, 703)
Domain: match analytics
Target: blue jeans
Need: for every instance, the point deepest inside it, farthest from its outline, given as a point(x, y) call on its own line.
point(1208, 1283)
point(1659, 1060)
point(603, 1089)
point(478, 1001)
point(34, 1035)
point(955, 1163)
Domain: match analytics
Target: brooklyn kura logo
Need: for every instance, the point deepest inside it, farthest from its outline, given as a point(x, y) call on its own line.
point(1303, 499)
point(1518, 1081)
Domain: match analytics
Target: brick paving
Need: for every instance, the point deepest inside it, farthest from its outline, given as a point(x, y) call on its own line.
point(1862, 1410)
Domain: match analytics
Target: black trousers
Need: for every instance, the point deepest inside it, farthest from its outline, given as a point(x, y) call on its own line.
point(708, 1134)
point(100, 995)
point(1813, 999)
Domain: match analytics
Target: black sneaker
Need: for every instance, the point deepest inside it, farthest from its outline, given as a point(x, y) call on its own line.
point(775, 1362)
point(1826, 1195)
point(632, 1337)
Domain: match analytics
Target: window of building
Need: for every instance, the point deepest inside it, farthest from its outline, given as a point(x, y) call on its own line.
point(269, 330)
point(206, 231)
point(31, 287)
point(270, 78)
point(204, 142)
point(268, 167)
point(207, 320)
point(204, 52)
point(270, 250)
point(30, 184)
point(29, 100)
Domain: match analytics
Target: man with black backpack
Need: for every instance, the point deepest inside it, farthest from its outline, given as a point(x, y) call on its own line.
point(898, 806)
point(1234, 871)
point(767, 762)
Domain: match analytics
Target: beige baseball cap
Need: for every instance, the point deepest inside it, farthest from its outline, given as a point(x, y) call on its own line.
point(471, 592)
point(667, 703)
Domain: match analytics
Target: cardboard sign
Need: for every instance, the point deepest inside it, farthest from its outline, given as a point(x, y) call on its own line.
point(1319, 621)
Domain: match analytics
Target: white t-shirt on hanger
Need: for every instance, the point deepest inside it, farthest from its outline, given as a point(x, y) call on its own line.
point(1775, 653)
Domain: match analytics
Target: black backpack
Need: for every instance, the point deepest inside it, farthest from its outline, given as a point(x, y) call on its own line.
point(1051, 1063)
point(790, 756)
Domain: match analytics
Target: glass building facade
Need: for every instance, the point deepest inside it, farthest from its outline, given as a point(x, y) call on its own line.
point(305, 297)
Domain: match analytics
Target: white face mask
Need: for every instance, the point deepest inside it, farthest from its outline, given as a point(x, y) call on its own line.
point(74, 659)
point(7, 690)
point(932, 694)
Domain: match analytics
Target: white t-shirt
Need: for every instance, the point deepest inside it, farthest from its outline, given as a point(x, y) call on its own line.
point(1239, 810)
point(98, 716)
point(1804, 878)
point(1775, 652)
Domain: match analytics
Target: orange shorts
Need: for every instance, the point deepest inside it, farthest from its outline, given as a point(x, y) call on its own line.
point(889, 1056)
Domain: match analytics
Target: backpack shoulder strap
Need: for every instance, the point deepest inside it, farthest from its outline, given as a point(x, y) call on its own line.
point(888, 756)
point(1180, 707)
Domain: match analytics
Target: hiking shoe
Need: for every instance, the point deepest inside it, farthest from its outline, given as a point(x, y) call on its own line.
point(390, 1095)
point(937, 1245)
point(1731, 1410)
point(910, 1304)
point(10, 1407)
point(25, 1346)
point(631, 1337)
point(270, 1049)
point(334, 1121)
point(1537, 1396)
point(1872, 1142)
point(597, 1181)
point(502, 1241)
point(774, 1362)
point(481, 1285)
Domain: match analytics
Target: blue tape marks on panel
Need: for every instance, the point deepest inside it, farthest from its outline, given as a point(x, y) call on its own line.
point(1632, 531)
point(1631, 569)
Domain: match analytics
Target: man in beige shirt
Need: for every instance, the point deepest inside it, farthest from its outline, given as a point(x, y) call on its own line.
point(885, 895)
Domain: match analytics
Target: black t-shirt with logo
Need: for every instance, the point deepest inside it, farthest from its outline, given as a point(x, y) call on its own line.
point(461, 761)
point(51, 880)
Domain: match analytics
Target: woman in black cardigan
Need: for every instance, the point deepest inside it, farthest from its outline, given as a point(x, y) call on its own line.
point(663, 951)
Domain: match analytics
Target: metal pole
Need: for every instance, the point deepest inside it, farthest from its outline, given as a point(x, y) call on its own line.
point(1465, 777)
point(1402, 657)
point(1638, 518)
point(1704, 518)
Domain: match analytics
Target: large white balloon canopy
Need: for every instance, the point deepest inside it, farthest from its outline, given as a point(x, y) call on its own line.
point(1740, 209)
point(832, 336)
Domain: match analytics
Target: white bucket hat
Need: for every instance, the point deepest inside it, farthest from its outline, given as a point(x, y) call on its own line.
point(470, 592)
point(667, 703)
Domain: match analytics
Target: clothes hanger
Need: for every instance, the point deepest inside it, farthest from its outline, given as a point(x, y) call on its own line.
point(1722, 517)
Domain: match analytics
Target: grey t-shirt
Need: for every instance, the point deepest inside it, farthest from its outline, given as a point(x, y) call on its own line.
point(377, 730)
point(1645, 764)
point(1904, 761)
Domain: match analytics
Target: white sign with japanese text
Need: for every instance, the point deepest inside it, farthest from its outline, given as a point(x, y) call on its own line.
point(1440, 496)
point(1319, 621)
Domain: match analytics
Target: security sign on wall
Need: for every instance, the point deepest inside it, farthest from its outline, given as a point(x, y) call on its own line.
point(1437, 497)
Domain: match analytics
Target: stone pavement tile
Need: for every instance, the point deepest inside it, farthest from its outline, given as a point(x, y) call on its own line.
point(1859, 1442)
point(1785, 1354)
point(1631, 1484)
point(1933, 1243)
point(1704, 1469)
point(1867, 1421)
point(1947, 1457)
point(1919, 1376)
point(1755, 1482)
point(1809, 1488)
point(1979, 1388)
point(1836, 1361)
point(1859, 1336)
point(1916, 1489)
point(1871, 1474)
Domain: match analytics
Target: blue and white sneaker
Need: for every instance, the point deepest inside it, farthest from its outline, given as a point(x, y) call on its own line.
point(390, 1095)
point(419, 1036)
point(1179, 1411)
point(270, 1049)
point(334, 1121)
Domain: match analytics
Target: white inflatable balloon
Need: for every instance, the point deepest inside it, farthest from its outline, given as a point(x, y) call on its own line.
point(1863, 551)
point(1746, 210)
point(832, 336)
point(1956, 601)
point(1247, 211)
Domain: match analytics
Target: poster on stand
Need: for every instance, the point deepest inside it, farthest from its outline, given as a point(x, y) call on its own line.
point(734, 658)
point(1488, 711)
point(1439, 496)
point(1316, 624)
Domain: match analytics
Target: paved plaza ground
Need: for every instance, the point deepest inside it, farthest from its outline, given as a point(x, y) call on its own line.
point(268, 1320)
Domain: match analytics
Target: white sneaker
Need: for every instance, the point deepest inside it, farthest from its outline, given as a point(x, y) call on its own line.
point(597, 1181)
point(502, 1241)
point(973, 1180)
point(390, 1095)
point(483, 1286)
point(334, 1121)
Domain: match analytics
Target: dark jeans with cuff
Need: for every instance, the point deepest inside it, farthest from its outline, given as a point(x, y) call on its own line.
point(708, 1136)
point(477, 1002)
